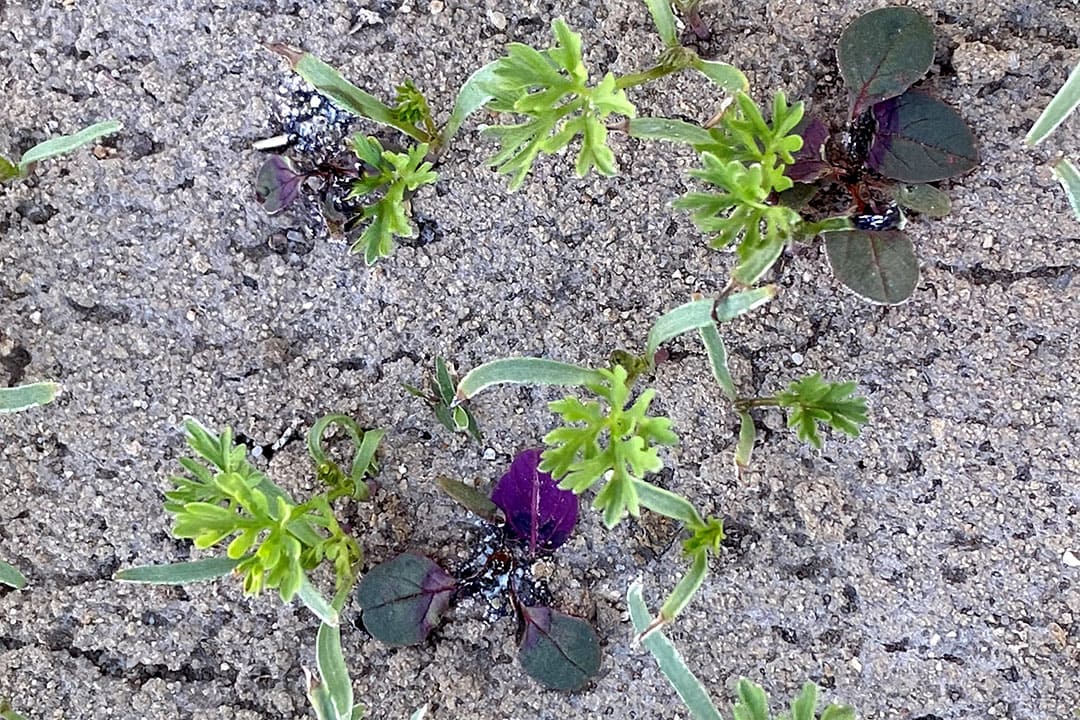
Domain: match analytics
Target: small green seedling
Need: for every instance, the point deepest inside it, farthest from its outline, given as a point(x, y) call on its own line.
point(10, 170)
point(752, 703)
point(612, 444)
point(526, 517)
point(1063, 104)
point(440, 397)
point(773, 183)
point(274, 542)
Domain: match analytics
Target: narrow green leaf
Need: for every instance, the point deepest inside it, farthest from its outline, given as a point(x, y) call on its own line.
point(333, 85)
point(443, 381)
point(66, 143)
point(421, 713)
point(357, 712)
point(842, 712)
point(714, 344)
point(880, 266)
point(332, 669)
point(752, 703)
point(666, 503)
point(686, 684)
point(11, 577)
point(23, 397)
point(1063, 104)
point(729, 77)
point(180, 573)
point(320, 699)
point(524, 371)
point(472, 96)
point(1069, 177)
point(471, 499)
point(697, 314)
point(802, 708)
point(316, 603)
point(679, 131)
point(686, 588)
point(664, 19)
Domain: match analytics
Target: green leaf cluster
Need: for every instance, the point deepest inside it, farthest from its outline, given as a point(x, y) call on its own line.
point(275, 541)
point(442, 399)
point(550, 89)
point(753, 704)
point(412, 107)
point(746, 161)
point(620, 440)
point(389, 176)
point(811, 401)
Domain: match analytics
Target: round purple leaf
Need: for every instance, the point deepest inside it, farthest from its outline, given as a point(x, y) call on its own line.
point(536, 509)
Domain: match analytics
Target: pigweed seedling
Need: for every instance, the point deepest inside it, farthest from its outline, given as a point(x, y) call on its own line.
point(1063, 104)
point(404, 598)
point(752, 703)
point(274, 542)
point(612, 442)
point(10, 170)
point(896, 141)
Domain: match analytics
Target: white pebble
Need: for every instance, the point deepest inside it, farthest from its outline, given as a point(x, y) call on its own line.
point(1070, 559)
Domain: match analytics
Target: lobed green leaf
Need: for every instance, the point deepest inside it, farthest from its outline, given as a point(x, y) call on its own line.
point(812, 401)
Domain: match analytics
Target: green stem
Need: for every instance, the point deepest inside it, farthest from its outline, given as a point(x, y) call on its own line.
point(747, 403)
point(832, 224)
point(645, 76)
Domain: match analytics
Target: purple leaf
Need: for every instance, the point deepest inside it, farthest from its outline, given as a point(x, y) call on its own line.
point(404, 598)
point(920, 139)
point(536, 509)
point(277, 184)
point(557, 650)
point(882, 53)
point(810, 161)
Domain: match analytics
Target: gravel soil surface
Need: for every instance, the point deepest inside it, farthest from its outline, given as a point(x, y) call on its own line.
point(926, 570)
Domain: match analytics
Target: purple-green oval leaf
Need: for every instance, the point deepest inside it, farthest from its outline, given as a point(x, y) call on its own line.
point(883, 53)
point(878, 265)
point(810, 164)
point(277, 184)
point(537, 511)
point(558, 651)
point(920, 139)
point(404, 598)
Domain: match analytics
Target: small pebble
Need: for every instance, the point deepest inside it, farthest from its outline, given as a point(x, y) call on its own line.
point(1070, 559)
point(435, 7)
point(489, 455)
point(497, 19)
